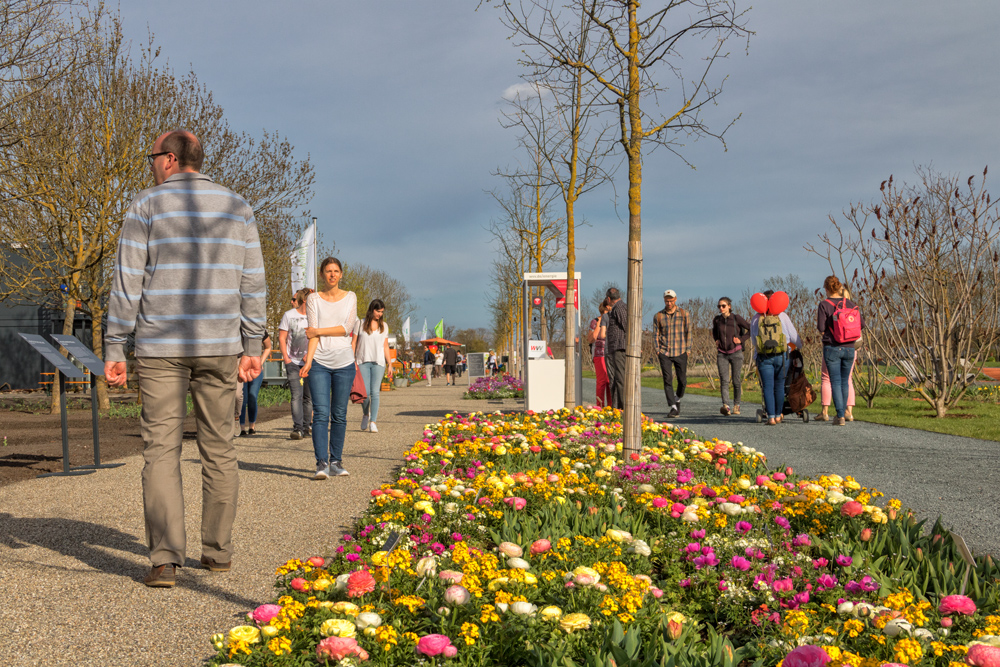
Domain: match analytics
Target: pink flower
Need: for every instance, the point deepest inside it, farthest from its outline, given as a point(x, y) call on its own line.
point(806, 656)
point(299, 584)
point(743, 527)
point(539, 547)
point(316, 561)
point(723, 586)
point(844, 561)
point(659, 502)
point(802, 541)
point(359, 583)
point(432, 645)
point(957, 604)
point(851, 509)
point(981, 655)
point(266, 612)
point(680, 494)
point(740, 563)
point(778, 477)
point(338, 648)
point(516, 503)
point(782, 586)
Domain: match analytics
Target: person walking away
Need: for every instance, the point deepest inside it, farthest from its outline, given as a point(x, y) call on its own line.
point(773, 336)
point(189, 282)
point(840, 322)
point(672, 328)
point(329, 366)
point(428, 364)
point(293, 343)
point(614, 351)
point(597, 337)
point(450, 362)
point(371, 351)
point(439, 364)
point(248, 413)
point(729, 331)
point(460, 364)
point(826, 390)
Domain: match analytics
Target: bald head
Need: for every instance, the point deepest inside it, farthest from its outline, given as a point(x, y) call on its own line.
point(185, 147)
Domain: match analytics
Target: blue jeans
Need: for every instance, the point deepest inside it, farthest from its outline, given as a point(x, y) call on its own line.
point(839, 359)
point(771, 370)
point(331, 391)
point(372, 374)
point(301, 398)
point(250, 391)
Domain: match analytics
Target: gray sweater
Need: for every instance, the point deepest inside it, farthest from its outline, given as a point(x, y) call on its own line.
point(189, 277)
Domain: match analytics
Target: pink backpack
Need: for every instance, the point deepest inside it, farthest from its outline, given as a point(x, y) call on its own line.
point(846, 322)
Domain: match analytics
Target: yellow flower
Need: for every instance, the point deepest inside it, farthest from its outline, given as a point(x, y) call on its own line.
point(280, 645)
point(572, 622)
point(244, 633)
point(470, 632)
point(337, 627)
point(908, 651)
point(344, 607)
point(322, 584)
point(550, 613)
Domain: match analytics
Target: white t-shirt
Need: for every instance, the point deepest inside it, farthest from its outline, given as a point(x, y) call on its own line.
point(333, 351)
point(439, 359)
point(371, 346)
point(295, 324)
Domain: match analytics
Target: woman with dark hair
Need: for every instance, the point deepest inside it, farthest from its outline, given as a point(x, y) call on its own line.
point(597, 339)
point(371, 351)
point(730, 332)
point(838, 354)
point(329, 365)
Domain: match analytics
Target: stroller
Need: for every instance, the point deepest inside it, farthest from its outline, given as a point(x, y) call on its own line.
point(799, 394)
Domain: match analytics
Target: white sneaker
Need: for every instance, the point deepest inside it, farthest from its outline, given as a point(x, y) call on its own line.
point(364, 423)
point(373, 428)
point(322, 470)
point(336, 470)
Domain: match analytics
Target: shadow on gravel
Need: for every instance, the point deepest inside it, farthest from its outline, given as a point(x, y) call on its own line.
point(274, 470)
point(425, 413)
point(25, 460)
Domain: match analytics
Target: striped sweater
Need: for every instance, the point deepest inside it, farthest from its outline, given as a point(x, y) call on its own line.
point(189, 277)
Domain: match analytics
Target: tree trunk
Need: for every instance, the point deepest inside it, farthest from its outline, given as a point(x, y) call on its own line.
point(97, 339)
point(69, 312)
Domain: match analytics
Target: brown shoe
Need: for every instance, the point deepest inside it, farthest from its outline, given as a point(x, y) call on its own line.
point(821, 418)
point(161, 576)
point(724, 410)
point(839, 421)
point(736, 409)
point(212, 566)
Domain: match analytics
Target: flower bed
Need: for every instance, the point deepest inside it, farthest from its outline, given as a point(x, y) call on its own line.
point(498, 386)
point(534, 540)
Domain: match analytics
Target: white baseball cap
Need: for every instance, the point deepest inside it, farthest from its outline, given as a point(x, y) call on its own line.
point(670, 292)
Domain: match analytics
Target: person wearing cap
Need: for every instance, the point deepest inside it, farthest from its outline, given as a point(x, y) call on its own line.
point(672, 327)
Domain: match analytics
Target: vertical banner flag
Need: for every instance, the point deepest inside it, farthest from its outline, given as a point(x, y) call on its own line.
point(406, 331)
point(423, 332)
point(303, 257)
point(439, 329)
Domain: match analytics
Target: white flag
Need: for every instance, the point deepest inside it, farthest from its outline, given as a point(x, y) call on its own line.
point(423, 332)
point(406, 331)
point(303, 257)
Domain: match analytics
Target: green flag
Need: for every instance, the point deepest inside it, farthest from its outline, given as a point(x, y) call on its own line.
point(439, 329)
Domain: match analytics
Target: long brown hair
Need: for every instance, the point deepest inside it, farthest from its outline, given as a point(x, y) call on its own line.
point(376, 304)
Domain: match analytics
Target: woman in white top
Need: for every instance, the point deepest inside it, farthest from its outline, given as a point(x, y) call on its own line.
point(371, 351)
point(329, 365)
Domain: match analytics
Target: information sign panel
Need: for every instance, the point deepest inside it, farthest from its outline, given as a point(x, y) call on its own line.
point(81, 352)
point(477, 364)
point(51, 354)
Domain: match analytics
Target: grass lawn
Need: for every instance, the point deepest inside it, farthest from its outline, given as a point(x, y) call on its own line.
point(970, 418)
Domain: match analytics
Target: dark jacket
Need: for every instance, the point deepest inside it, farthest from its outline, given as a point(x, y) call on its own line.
point(824, 318)
point(724, 329)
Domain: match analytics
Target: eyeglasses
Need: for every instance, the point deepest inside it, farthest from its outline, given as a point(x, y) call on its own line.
point(152, 157)
point(723, 305)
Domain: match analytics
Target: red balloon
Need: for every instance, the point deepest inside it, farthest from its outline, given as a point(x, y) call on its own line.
point(759, 303)
point(777, 303)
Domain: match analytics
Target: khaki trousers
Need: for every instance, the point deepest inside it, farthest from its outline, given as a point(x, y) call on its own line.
point(164, 384)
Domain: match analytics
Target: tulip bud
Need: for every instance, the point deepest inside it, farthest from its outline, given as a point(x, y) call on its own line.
point(920, 555)
point(866, 534)
point(946, 622)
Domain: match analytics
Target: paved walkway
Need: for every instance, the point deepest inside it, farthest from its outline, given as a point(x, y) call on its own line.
point(955, 478)
point(73, 554)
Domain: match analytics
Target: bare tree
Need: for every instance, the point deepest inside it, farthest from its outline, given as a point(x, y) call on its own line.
point(925, 265)
point(635, 49)
point(703, 348)
point(369, 283)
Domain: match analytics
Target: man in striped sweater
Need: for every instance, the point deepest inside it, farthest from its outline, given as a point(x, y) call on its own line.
point(189, 281)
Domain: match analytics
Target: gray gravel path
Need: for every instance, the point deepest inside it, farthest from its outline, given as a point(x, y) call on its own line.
point(73, 555)
point(933, 474)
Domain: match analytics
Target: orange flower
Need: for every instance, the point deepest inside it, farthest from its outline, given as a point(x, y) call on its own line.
point(359, 583)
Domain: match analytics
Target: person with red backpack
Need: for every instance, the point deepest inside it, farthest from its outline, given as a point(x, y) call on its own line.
point(840, 322)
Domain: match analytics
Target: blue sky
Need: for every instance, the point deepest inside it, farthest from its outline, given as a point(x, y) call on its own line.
point(397, 103)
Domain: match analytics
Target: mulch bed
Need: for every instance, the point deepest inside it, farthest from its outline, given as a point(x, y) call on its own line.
point(34, 441)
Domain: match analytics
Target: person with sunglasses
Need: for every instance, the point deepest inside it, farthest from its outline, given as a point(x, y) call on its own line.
point(730, 332)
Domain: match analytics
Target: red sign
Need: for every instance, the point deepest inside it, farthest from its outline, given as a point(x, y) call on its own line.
point(561, 286)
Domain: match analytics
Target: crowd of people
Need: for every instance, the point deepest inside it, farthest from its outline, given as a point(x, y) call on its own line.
point(449, 362)
point(770, 334)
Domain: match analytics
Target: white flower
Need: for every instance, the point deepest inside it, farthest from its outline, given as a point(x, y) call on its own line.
point(518, 563)
point(689, 517)
point(502, 606)
point(426, 567)
point(368, 619)
point(646, 488)
point(522, 608)
point(341, 583)
point(451, 508)
point(732, 509)
point(640, 548)
point(897, 626)
point(845, 608)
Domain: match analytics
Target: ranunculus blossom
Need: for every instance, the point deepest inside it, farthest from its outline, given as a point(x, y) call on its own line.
point(245, 633)
point(851, 509)
point(432, 645)
point(359, 583)
point(573, 622)
point(806, 656)
point(265, 612)
point(980, 655)
point(338, 648)
point(539, 547)
point(516, 502)
point(957, 604)
point(337, 627)
point(457, 594)
point(299, 584)
point(511, 550)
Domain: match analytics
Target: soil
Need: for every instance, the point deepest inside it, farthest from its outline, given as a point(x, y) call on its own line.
point(31, 444)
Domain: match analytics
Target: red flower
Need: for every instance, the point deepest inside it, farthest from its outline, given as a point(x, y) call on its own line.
point(359, 583)
point(851, 509)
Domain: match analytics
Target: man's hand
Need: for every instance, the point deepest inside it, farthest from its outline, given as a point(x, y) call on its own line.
point(736, 340)
point(115, 373)
point(249, 368)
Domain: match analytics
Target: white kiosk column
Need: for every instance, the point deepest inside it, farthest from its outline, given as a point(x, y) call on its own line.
point(544, 377)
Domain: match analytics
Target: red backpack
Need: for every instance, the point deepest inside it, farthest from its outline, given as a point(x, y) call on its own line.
point(846, 326)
